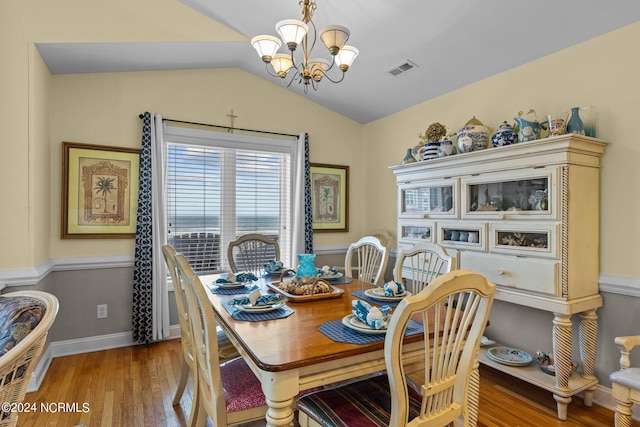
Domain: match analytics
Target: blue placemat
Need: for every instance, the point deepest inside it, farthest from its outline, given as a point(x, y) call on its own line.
point(280, 313)
point(340, 333)
point(360, 294)
point(232, 291)
point(340, 280)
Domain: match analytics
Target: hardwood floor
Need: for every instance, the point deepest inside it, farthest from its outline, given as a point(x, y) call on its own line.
point(134, 386)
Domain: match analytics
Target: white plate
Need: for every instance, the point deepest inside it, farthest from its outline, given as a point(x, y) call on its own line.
point(259, 308)
point(509, 356)
point(331, 276)
point(352, 322)
point(229, 285)
point(378, 293)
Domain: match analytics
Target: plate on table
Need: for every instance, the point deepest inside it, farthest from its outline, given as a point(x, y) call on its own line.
point(330, 276)
point(509, 356)
point(352, 322)
point(229, 284)
point(378, 294)
point(250, 308)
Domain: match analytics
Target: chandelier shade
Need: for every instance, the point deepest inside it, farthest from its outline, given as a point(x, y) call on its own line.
point(306, 69)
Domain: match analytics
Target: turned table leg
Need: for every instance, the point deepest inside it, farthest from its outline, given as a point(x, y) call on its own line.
point(588, 346)
point(562, 359)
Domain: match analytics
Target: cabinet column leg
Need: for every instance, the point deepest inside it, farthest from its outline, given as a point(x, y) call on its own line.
point(473, 401)
point(562, 359)
point(588, 346)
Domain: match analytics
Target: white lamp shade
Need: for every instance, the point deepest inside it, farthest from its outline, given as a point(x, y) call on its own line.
point(266, 46)
point(281, 63)
point(318, 66)
point(292, 31)
point(346, 56)
point(334, 37)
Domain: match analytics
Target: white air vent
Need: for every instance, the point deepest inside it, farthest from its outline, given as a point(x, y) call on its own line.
point(402, 69)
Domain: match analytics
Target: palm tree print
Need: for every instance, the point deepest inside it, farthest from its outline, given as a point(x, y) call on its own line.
point(104, 187)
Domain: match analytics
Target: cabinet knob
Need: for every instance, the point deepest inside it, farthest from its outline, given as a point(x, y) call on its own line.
point(502, 272)
point(503, 216)
point(425, 215)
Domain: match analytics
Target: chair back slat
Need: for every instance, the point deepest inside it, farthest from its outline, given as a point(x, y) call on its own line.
point(371, 258)
point(421, 264)
point(251, 252)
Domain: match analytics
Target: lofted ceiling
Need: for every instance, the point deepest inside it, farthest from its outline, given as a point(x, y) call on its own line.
point(452, 43)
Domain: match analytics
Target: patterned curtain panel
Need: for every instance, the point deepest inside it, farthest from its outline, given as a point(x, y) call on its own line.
point(308, 218)
point(142, 321)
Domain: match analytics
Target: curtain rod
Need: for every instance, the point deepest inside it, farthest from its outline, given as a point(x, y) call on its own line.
point(223, 127)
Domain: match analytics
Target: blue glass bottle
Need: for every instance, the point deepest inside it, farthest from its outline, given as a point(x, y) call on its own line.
point(575, 125)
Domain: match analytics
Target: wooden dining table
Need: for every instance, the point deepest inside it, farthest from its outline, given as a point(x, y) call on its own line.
point(290, 355)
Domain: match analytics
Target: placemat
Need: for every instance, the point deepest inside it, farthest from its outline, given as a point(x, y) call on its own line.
point(340, 333)
point(280, 313)
point(232, 291)
point(360, 294)
point(340, 280)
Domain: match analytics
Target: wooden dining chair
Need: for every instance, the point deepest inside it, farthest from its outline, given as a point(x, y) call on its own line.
point(368, 257)
point(227, 393)
point(448, 389)
point(421, 264)
point(251, 252)
point(625, 383)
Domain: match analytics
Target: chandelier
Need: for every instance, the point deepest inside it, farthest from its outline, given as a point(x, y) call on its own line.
point(305, 70)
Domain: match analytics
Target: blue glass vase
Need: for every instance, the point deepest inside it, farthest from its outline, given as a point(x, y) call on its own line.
point(306, 268)
point(575, 125)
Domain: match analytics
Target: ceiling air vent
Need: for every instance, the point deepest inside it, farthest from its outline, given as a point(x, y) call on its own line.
point(402, 69)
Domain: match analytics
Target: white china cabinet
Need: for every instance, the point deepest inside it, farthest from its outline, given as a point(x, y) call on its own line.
point(526, 216)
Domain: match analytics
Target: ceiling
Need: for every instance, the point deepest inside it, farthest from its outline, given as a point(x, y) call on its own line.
point(452, 42)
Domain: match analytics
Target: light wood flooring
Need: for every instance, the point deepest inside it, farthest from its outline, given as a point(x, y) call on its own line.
point(134, 386)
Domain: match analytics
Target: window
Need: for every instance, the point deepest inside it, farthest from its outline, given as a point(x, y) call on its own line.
point(221, 186)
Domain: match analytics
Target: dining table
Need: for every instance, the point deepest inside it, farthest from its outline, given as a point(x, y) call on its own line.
point(295, 353)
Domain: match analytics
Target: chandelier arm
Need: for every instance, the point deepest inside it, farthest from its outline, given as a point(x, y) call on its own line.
point(325, 75)
point(266, 64)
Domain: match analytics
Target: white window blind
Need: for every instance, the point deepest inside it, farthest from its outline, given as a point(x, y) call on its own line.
point(221, 186)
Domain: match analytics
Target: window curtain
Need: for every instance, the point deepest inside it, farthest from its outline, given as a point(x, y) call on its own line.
point(150, 320)
point(302, 219)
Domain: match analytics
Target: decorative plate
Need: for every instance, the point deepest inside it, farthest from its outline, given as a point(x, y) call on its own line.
point(229, 284)
point(353, 323)
point(330, 276)
point(378, 294)
point(249, 308)
point(509, 356)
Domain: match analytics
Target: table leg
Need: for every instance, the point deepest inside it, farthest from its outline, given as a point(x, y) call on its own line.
point(562, 359)
point(280, 390)
point(588, 346)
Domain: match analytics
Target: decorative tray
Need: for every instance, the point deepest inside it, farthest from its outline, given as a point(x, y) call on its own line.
point(335, 293)
point(509, 356)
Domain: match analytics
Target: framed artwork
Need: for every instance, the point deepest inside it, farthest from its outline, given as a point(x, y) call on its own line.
point(330, 197)
point(99, 191)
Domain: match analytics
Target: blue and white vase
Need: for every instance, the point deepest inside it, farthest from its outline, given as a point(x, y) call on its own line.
point(575, 125)
point(446, 148)
point(473, 136)
point(505, 135)
point(431, 150)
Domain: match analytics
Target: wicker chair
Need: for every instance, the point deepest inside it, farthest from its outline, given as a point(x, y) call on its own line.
point(25, 318)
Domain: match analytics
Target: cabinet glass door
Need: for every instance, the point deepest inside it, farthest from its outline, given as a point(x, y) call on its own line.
point(524, 194)
point(428, 201)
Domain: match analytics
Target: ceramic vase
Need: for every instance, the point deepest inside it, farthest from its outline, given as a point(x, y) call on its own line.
point(473, 136)
point(505, 135)
point(575, 125)
point(446, 149)
point(307, 267)
point(408, 158)
point(431, 151)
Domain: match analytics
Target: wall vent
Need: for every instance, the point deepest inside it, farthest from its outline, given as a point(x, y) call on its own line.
point(402, 69)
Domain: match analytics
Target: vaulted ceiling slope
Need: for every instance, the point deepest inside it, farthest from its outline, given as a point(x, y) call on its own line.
point(452, 43)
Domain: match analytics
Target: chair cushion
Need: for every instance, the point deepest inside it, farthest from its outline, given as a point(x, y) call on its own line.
point(18, 317)
point(627, 377)
point(364, 403)
point(242, 388)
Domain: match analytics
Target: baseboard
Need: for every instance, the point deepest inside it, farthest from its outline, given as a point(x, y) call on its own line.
point(83, 345)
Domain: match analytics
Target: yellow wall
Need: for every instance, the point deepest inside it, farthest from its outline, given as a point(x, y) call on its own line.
point(602, 72)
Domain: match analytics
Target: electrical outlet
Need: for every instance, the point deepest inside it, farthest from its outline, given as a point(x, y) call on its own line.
point(102, 311)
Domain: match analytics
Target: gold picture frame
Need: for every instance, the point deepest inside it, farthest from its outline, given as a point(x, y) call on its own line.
point(99, 191)
point(329, 197)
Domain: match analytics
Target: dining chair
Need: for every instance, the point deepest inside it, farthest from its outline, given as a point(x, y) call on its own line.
point(227, 393)
point(25, 320)
point(370, 257)
point(449, 385)
point(422, 263)
point(226, 350)
point(251, 252)
point(625, 383)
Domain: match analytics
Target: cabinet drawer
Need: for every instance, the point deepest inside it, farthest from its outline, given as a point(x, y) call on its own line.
point(523, 273)
point(416, 230)
point(522, 239)
point(463, 235)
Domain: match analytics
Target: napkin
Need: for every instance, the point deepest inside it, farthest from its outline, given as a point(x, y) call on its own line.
point(259, 300)
point(237, 278)
point(326, 271)
point(393, 288)
point(376, 318)
point(272, 266)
